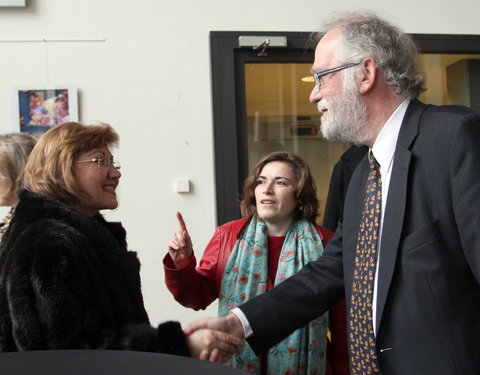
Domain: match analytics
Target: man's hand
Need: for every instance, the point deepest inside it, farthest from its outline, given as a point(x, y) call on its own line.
point(215, 346)
point(229, 324)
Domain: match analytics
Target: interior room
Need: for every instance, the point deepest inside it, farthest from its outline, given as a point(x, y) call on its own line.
point(145, 68)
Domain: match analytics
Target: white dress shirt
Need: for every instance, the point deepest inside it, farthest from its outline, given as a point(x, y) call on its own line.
point(383, 149)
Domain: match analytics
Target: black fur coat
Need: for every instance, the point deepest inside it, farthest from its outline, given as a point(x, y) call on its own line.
point(67, 281)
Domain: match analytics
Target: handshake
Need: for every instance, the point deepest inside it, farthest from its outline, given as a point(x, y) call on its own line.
point(215, 339)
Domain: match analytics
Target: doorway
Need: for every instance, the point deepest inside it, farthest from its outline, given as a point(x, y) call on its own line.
point(260, 103)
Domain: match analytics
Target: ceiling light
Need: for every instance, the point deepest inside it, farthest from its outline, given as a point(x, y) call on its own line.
point(307, 79)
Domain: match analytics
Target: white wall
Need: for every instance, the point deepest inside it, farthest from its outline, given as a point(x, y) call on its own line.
point(150, 79)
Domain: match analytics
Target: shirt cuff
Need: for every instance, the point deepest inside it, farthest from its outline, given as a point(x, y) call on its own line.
point(243, 319)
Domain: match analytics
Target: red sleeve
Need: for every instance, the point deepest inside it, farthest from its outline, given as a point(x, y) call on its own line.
point(195, 287)
point(325, 234)
point(198, 287)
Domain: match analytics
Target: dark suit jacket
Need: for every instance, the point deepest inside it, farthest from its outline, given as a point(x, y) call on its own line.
point(428, 308)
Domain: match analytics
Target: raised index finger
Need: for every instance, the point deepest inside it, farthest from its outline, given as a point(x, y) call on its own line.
point(181, 222)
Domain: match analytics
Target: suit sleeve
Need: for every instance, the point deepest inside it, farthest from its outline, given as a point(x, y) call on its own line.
point(465, 181)
point(298, 300)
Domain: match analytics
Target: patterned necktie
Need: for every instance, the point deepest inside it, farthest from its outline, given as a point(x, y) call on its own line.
point(362, 339)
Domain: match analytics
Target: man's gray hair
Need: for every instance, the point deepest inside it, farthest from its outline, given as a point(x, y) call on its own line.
point(395, 52)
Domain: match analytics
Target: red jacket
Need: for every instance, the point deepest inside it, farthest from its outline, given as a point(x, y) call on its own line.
point(198, 287)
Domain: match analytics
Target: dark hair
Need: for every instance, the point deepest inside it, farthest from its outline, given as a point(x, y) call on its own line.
point(305, 189)
point(49, 170)
point(396, 54)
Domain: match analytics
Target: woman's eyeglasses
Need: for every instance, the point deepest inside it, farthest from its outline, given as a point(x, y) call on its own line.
point(102, 162)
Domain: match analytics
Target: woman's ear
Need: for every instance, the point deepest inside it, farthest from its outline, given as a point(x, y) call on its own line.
point(369, 72)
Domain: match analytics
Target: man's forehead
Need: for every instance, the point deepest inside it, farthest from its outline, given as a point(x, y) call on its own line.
point(324, 54)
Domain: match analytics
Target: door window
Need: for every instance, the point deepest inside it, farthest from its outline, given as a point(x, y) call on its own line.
point(260, 104)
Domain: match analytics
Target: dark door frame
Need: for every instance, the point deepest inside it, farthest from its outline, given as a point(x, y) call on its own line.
point(228, 93)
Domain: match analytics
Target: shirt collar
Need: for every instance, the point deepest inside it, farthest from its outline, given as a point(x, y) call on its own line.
point(384, 147)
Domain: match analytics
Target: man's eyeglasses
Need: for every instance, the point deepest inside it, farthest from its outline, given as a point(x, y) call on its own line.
point(317, 76)
point(102, 162)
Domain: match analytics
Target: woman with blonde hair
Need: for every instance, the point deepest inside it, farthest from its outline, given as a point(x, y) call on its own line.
point(14, 151)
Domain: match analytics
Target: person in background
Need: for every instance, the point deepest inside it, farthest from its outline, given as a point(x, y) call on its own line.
point(411, 276)
point(14, 151)
point(341, 175)
point(275, 238)
point(67, 280)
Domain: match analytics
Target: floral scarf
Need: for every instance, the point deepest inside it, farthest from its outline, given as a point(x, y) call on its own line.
point(245, 276)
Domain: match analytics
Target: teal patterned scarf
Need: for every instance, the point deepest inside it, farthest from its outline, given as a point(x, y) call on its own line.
point(245, 276)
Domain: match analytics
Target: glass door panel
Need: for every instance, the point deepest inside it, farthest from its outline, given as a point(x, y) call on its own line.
point(280, 117)
point(260, 103)
point(452, 79)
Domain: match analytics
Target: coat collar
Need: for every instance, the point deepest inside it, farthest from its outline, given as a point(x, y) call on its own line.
point(37, 209)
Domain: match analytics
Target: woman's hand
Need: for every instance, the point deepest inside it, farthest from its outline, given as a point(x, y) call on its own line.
point(215, 346)
point(180, 247)
point(229, 323)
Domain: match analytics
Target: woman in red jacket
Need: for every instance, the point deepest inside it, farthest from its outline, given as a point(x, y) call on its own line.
point(274, 239)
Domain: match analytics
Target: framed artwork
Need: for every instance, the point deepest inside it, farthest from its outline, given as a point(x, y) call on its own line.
point(37, 109)
point(13, 3)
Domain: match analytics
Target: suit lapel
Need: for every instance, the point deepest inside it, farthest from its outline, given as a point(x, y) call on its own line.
point(396, 202)
point(351, 221)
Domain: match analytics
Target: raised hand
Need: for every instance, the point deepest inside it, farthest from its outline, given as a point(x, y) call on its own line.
point(180, 246)
point(215, 346)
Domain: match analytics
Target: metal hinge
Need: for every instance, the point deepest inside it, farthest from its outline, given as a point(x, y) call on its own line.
point(261, 43)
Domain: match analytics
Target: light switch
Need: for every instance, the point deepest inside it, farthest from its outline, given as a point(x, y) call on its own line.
point(182, 185)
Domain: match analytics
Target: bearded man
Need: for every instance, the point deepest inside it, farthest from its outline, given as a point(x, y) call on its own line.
point(407, 254)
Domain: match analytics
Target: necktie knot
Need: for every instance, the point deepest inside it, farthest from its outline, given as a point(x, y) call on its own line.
point(373, 162)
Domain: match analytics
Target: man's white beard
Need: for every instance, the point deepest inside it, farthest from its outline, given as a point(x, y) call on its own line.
point(346, 116)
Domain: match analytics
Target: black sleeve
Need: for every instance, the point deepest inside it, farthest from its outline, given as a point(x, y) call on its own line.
point(168, 338)
point(56, 301)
